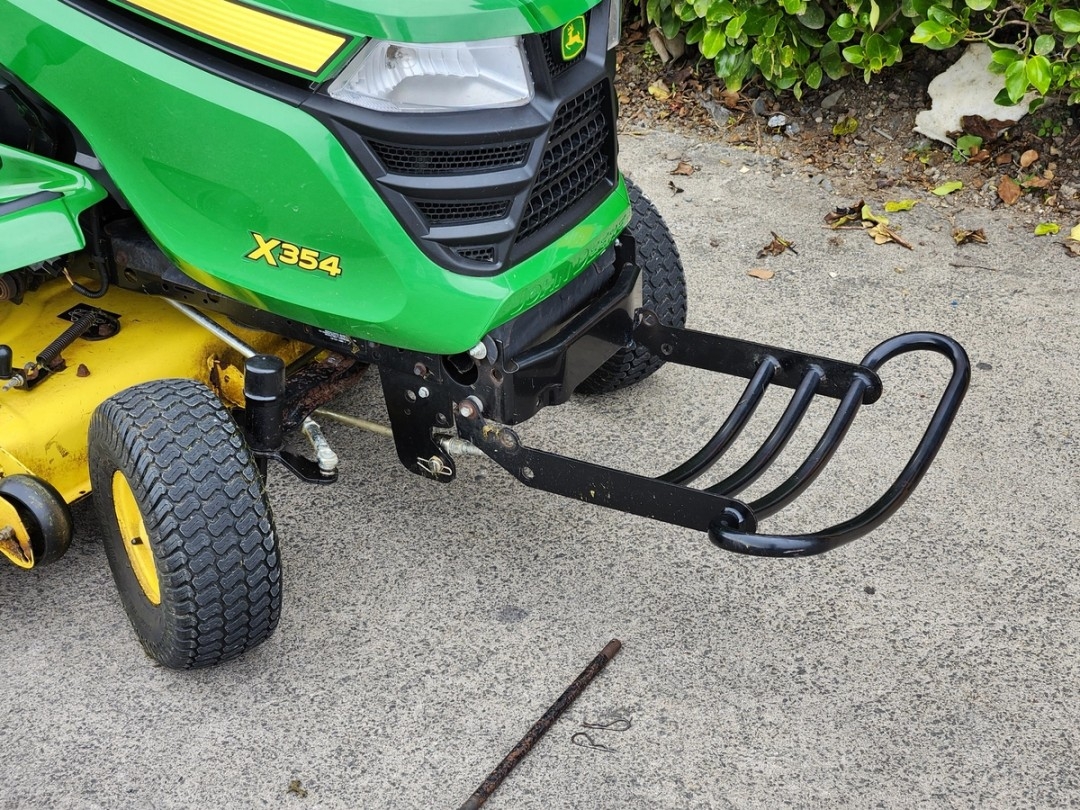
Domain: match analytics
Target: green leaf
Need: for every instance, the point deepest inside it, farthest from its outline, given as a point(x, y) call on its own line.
point(1004, 56)
point(1016, 80)
point(943, 15)
point(841, 33)
point(1002, 98)
point(685, 12)
point(831, 61)
point(1067, 20)
point(814, 76)
point(854, 54)
point(877, 51)
point(966, 146)
point(813, 16)
point(1044, 44)
point(928, 32)
point(948, 188)
point(1047, 228)
point(794, 6)
point(1038, 73)
point(713, 42)
point(899, 205)
point(845, 126)
point(979, 5)
point(695, 32)
point(875, 15)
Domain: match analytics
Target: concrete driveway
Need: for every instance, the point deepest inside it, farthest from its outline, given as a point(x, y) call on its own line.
point(931, 664)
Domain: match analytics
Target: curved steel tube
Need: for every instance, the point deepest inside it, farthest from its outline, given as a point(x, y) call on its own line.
point(778, 439)
point(884, 507)
point(822, 453)
point(708, 455)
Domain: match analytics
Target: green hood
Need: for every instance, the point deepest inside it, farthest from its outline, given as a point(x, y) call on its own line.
point(433, 20)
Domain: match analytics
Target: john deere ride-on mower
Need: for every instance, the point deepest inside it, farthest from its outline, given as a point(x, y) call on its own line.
point(216, 214)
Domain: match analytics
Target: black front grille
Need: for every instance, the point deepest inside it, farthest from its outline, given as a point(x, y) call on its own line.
point(419, 161)
point(576, 159)
point(452, 213)
point(482, 253)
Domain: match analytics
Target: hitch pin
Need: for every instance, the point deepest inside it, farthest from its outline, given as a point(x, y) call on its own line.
point(324, 453)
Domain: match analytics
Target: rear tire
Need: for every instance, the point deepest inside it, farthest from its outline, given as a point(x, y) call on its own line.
point(188, 531)
point(663, 291)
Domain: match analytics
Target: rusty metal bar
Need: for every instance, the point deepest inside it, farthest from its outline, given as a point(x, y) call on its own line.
point(518, 752)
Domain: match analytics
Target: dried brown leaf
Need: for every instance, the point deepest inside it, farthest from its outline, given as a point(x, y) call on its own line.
point(1029, 157)
point(882, 234)
point(843, 216)
point(989, 129)
point(684, 169)
point(964, 237)
point(1035, 182)
point(777, 246)
point(674, 188)
point(1008, 190)
point(730, 99)
point(762, 273)
point(659, 90)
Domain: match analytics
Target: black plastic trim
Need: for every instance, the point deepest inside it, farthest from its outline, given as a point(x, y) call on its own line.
point(29, 201)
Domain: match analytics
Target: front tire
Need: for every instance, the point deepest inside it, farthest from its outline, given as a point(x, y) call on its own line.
point(188, 530)
point(663, 290)
point(42, 513)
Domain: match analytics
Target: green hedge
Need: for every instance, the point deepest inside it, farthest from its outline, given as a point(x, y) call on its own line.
point(794, 44)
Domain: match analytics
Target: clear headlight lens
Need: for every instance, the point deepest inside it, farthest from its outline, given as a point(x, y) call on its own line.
point(405, 77)
point(614, 23)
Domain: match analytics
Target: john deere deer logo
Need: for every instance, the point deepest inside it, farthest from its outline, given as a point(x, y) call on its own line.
point(573, 38)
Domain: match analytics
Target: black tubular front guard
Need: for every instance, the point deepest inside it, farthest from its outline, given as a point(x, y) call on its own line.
point(733, 524)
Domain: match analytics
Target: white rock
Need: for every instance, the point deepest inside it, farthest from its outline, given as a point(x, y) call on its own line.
point(966, 88)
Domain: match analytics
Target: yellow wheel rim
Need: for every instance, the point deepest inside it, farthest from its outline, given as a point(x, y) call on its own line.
point(14, 538)
point(135, 538)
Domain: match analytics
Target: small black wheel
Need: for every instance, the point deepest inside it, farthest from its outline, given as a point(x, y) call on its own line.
point(42, 520)
point(188, 530)
point(663, 291)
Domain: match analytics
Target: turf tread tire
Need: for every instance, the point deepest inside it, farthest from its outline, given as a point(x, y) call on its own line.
point(206, 513)
point(663, 290)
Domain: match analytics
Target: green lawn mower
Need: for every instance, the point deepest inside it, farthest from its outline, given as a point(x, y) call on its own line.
point(215, 215)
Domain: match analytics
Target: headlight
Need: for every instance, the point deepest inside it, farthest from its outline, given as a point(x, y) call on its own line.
point(404, 77)
point(614, 23)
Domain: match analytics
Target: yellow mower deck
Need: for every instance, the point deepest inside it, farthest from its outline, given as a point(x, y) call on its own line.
point(43, 430)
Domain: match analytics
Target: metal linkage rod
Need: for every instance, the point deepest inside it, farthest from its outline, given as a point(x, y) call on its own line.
point(518, 752)
point(216, 329)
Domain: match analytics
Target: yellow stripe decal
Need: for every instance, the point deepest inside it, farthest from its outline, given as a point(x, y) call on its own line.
point(258, 32)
